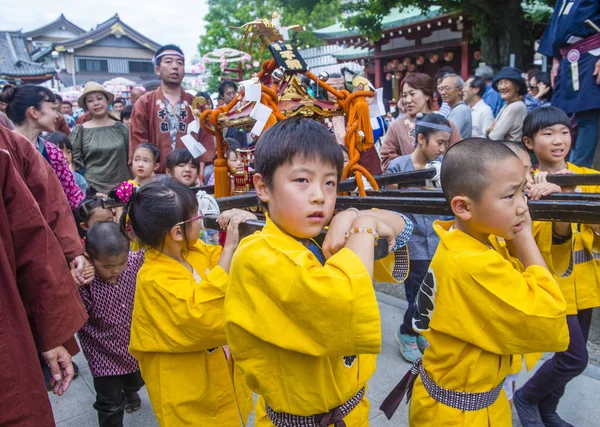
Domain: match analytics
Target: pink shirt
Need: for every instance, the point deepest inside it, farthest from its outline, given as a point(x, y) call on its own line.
point(59, 164)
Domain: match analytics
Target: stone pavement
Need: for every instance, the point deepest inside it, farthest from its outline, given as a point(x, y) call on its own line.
point(579, 406)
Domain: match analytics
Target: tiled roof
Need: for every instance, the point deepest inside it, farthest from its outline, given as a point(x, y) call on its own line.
point(15, 61)
point(113, 25)
point(60, 22)
point(395, 19)
point(353, 53)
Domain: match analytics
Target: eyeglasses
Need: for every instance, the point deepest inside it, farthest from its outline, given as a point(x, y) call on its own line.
point(196, 218)
point(446, 88)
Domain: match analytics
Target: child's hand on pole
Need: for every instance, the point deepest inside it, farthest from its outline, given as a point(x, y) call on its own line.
point(225, 217)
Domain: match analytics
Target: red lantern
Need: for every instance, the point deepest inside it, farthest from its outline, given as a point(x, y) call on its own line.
point(434, 58)
point(477, 55)
point(448, 56)
point(420, 60)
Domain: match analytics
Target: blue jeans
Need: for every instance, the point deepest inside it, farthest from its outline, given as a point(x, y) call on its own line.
point(585, 148)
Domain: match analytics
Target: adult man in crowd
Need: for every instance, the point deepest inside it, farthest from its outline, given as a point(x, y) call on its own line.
point(61, 124)
point(162, 116)
point(118, 105)
point(227, 92)
point(66, 108)
point(451, 90)
point(136, 93)
point(491, 97)
point(575, 49)
point(481, 113)
point(39, 301)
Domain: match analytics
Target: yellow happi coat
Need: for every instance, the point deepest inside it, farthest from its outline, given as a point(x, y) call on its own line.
point(477, 310)
point(177, 336)
point(576, 263)
point(531, 359)
point(305, 335)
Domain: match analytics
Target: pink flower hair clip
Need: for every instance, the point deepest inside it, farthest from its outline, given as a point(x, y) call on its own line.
point(124, 191)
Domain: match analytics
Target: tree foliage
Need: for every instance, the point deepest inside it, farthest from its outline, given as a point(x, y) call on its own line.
point(499, 25)
point(224, 15)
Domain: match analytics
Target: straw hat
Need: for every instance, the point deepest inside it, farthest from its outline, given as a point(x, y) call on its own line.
point(91, 87)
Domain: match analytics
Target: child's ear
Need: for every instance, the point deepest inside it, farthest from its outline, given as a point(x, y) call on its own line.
point(176, 233)
point(528, 142)
point(261, 188)
point(169, 172)
point(461, 207)
point(156, 166)
point(83, 226)
point(421, 139)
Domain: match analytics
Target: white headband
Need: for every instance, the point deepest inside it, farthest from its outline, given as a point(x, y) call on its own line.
point(435, 126)
point(167, 52)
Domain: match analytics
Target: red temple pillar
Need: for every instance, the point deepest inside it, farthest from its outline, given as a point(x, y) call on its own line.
point(378, 67)
point(464, 56)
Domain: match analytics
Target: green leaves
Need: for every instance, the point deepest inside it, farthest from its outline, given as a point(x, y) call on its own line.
point(225, 14)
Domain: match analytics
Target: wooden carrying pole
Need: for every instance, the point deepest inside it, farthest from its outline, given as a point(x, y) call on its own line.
point(548, 209)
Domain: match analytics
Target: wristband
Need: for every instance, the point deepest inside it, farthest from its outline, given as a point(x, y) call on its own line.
point(369, 230)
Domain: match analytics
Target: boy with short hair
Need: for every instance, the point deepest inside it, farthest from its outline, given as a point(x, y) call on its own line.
point(572, 254)
point(478, 306)
point(306, 331)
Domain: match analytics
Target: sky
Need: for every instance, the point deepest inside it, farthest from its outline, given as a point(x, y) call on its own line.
point(163, 21)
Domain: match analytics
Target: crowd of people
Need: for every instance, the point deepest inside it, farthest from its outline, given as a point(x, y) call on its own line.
point(102, 231)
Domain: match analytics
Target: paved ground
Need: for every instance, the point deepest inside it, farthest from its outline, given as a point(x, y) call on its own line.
point(579, 406)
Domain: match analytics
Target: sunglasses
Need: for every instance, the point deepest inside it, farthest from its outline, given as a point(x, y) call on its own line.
point(196, 218)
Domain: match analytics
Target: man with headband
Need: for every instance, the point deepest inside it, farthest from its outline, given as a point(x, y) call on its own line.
point(162, 117)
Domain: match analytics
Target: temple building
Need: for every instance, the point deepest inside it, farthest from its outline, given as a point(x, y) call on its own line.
point(16, 64)
point(111, 49)
point(412, 41)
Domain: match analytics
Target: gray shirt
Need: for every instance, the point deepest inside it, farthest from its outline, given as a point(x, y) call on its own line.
point(424, 240)
point(460, 115)
point(101, 153)
point(509, 123)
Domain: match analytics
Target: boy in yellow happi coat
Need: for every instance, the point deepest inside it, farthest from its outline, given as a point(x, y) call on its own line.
point(177, 332)
point(572, 252)
point(476, 299)
point(306, 331)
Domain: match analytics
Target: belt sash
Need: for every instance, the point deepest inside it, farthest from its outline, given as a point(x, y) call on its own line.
point(461, 400)
point(582, 46)
point(335, 416)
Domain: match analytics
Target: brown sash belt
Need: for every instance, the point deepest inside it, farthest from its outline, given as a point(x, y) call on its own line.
point(455, 399)
point(335, 416)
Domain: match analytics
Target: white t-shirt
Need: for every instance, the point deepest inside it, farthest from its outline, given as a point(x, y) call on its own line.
point(482, 118)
